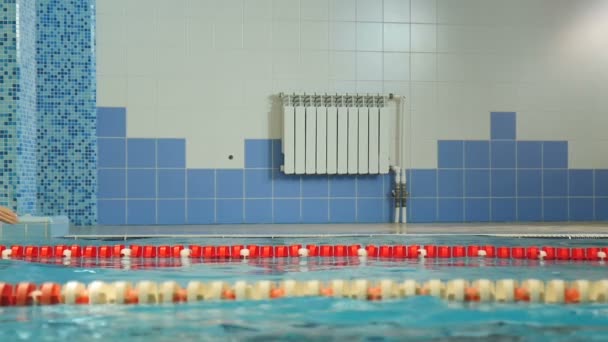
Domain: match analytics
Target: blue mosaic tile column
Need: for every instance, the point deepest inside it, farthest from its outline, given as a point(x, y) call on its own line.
point(66, 85)
point(18, 105)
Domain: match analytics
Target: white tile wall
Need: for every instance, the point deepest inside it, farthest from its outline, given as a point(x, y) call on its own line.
point(206, 70)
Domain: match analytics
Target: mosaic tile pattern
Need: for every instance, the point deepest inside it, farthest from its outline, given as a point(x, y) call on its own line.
point(66, 85)
point(506, 180)
point(145, 181)
point(18, 106)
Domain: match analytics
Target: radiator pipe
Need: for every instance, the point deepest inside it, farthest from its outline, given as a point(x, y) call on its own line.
point(397, 192)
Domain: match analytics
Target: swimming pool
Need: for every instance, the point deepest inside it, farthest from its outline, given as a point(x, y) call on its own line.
point(303, 318)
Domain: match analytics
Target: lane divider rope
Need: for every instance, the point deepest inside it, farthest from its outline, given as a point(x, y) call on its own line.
point(556, 291)
point(32, 253)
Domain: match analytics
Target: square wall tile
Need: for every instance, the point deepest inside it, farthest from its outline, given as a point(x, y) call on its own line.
point(529, 209)
point(201, 211)
point(141, 183)
point(504, 210)
point(476, 154)
point(258, 153)
point(529, 154)
point(277, 154)
point(370, 210)
point(286, 211)
point(315, 211)
point(111, 212)
point(529, 183)
point(503, 183)
point(451, 210)
point(111, 152)
point(423, 210)
point(423, 183)
point(370, 186)
point(171, 153)
point(503, 125)
point(601, 183)
point(601, 209)
point(229, 183)
point(342, 186)
point(503, 154)
point(555, 209)
point(450, 183)
point(172, 183)
point(477, 183)
point(111, 183)
point(451, 153)
point(229, 211)
point(315, 186)
point(477, 210)
point(141, 212)
point(111, 122)
point(555, 183)
point(555, 154)
point(580, 182)
point(397, 11)
point(172, 211)
point(141, 153)
point(342, 210)
point(286, 186)
point(258, 183)
point(201, 183)
point(581, 209)
point(258, 211)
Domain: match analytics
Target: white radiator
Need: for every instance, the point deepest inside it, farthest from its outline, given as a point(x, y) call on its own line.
point(335, 134)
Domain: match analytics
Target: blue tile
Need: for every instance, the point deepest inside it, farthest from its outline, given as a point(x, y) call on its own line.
point(477, 183)
point(111, 152)
point(287, 211)
point(229, 183)
point(201, 183)
point(111, 122)
point(450, 210)
point(450, 183)
point(581, 209)
point(315, 186)
point(277, 154)
point(171, 153)
point(370, 210)
point(258, 183)
point(601, 209)
point(172, 183)
point(286, 186)
point(141, 183)
point(229, 211)
point(111, 212)
point(555, 209)
point(580, 182)
point(171, 212)
point(503, 183)
point(315, 210)
point(258, 153)
point(343, 210)
point(342, 186)
point(529, 209)
point(476, 154)
point(423, 183)
point(141, 212)
point(503, 154)
point(502, 125)
point(477, 210)
point(555, 182)
point(555, 155)
point(111, 183)
point(201, 211)
point(141, 153)
point(503, 210)
point(423, 210)
point(601, 182)
point(389, 181)
point(450, 154)
point(370, 186)
point(529, 183)
point(258, 211)
point(529, 154)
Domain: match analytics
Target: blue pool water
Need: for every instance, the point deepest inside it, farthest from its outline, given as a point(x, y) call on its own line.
point(301, 319)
